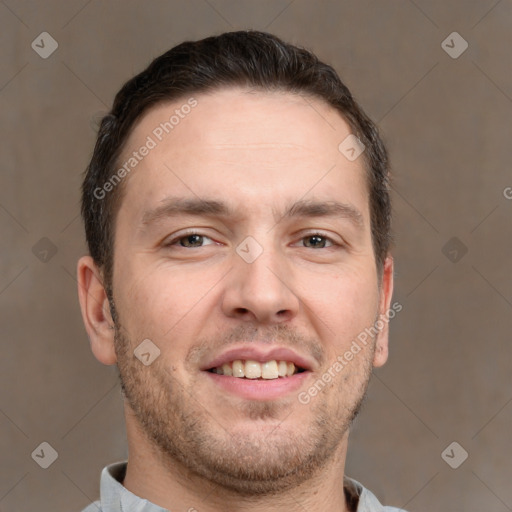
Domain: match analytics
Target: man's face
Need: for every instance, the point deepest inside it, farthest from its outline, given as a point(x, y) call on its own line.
point(300, 289)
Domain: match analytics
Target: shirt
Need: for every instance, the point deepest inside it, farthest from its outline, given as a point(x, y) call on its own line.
point(114, 497)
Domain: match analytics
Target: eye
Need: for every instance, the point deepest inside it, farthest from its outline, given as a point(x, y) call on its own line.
point(317, 241)
point(190, 240)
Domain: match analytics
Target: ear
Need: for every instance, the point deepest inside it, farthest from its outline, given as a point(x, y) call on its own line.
point(96, 310)
point(386, 292)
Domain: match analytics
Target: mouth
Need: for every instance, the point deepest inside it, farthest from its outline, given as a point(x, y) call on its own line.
point(256, 370)
point(257, 373)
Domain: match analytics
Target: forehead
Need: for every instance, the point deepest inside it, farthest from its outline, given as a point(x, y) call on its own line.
point(275, 142)
point(237, 115)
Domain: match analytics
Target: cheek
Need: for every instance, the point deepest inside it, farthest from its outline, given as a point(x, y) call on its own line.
point(346, 304)
point(161, 303)
point(139, 296)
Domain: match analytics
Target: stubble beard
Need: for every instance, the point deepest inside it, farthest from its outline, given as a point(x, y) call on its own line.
point(175, 421)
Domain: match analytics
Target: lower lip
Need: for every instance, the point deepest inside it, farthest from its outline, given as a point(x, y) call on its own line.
point(259, 389)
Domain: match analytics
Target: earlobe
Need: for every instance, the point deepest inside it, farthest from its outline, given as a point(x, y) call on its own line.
point(96, 311)
point(386, 292)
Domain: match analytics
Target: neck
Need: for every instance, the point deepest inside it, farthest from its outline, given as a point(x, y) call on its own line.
point(168, 484)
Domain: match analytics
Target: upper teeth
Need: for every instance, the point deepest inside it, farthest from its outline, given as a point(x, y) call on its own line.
point(254, 369)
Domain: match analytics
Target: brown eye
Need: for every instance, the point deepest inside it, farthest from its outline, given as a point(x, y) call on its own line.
point(316, 241)
point(191, 241)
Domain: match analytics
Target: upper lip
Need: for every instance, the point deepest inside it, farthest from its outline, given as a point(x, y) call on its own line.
point(261, 354)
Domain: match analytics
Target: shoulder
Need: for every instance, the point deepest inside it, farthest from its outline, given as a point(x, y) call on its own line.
point(366, 500)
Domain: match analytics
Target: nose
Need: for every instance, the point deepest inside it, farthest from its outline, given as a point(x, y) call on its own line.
point(261, 291)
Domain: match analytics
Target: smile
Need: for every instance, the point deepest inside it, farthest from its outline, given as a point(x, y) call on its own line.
point(250, 369)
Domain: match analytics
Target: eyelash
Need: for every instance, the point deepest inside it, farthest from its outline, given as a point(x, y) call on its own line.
point(174, 240)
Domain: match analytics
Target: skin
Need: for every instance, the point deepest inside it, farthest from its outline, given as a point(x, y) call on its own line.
point(192, 444)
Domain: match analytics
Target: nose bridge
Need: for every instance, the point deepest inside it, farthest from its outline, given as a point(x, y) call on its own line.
point(264, 272)
point(259, 287)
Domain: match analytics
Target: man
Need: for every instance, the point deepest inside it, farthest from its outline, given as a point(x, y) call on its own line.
point(237, 214)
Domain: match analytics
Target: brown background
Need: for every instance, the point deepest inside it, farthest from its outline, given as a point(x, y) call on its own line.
point(447, 122)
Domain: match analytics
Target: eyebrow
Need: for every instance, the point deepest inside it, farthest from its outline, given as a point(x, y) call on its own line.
point(305, 208)
point(173, 206)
